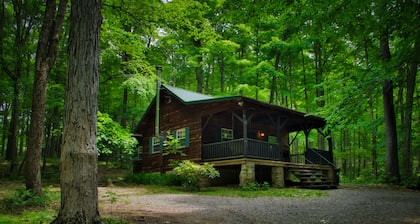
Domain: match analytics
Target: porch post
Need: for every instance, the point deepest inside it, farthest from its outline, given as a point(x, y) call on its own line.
point(307, 131)
point(279, 143)
point(330, 146)
point(247, 174)
point(245, 131)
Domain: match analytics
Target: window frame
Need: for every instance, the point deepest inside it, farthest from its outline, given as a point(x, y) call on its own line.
point(184, 141)
point(228, 132)
point(155, 144)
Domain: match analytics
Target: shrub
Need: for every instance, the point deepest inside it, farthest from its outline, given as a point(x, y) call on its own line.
point(190, 173)
point(166, 179)
point(114, 141)
point(23, 198)
point(256, 186)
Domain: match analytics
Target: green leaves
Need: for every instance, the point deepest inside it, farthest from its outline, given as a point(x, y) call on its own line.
point(190, 173)
point(113, 140)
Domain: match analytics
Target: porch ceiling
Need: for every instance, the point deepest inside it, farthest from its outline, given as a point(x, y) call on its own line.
point(269, 114)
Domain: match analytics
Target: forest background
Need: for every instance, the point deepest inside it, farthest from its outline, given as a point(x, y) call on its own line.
point(354, 63)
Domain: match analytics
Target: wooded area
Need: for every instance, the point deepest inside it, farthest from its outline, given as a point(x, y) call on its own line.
point(353, 62)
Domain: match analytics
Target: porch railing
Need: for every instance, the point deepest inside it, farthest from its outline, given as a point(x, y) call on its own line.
point(243, 148)
point(316, 156)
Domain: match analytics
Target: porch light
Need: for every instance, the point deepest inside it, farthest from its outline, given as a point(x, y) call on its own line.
point(261, 134)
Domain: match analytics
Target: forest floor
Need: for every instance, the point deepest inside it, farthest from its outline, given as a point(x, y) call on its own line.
point(348, 204)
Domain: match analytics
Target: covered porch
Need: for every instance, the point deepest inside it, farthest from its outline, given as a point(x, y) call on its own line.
point(253, 140)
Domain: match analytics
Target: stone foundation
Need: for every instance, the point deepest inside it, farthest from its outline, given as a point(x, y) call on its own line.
point(277, 177)
point(247, 174)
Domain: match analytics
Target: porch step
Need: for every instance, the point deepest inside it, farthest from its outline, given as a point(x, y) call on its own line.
point(312, 177)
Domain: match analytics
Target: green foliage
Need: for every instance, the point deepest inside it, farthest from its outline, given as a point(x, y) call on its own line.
point(171, 146)
point(114, 141)
point(44, 216)
point(165, 179)
point(113, 220)
point(255, 186)
point(23, 199)
point(190, 173)
point(270, 192)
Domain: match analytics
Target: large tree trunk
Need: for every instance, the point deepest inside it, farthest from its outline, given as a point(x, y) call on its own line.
point(79, 193)
point(392, 166)
point(407, 165)
point(45, 59)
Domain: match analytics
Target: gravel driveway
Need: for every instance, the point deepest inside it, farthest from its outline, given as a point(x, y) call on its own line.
point(344, 205)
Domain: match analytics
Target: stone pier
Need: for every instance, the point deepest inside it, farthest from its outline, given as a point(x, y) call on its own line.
point(247, 174)
point(277, 176)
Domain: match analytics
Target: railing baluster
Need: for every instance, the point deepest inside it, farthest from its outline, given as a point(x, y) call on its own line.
point(242, 148)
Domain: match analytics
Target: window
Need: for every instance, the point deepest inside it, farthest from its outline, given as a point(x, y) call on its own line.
point(138, 154)
point(155, 145)
point(226, 134)
point(272, 139)
point(183, 136)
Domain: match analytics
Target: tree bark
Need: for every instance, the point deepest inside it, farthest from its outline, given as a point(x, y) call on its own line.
point(273, 89)
point(79, 193)
point(407, 165)
point(45, 58)
point(11, 149)
point(374, 144)
point(392, 166)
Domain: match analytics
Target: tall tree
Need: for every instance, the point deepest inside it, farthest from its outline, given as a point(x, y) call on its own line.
point(45, 58)
point(25, 15)
point(79, 193)
point(392, 166)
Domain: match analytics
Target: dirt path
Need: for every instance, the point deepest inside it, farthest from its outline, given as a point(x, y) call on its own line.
point(344, 205)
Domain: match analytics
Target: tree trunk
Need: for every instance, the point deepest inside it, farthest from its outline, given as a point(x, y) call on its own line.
point(407, 165)
point(374, 131)
point(273, 88)
point(222, 72)
point(11, 150)
point(124, 108)
point(79, 193)
point(199, 74)
point(45, 59)
point(392, 167)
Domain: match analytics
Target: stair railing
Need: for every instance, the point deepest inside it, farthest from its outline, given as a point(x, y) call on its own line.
point(321, 156)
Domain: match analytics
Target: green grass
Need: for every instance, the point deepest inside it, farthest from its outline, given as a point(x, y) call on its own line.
point(19, 206)
point(271, 192)
point(39, 216)
point(238, 192)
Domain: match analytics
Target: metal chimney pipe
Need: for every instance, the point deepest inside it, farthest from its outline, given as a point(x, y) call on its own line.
point(157, 115)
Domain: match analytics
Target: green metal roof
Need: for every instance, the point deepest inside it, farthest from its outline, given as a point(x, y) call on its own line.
point(190, 97)
point(187, 96)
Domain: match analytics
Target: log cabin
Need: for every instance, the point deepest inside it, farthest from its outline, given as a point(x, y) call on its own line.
point(245, 139)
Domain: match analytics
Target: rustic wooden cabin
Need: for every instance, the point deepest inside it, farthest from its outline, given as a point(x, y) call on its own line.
point(246, 140)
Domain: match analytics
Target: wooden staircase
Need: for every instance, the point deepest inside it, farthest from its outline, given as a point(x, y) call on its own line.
point(312, 176)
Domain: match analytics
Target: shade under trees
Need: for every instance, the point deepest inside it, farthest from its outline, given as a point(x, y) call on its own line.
point(352, 62)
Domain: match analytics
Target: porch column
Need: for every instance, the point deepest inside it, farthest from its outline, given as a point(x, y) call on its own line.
point(247, 174)
point(245, 132)
point(277, 177)
point(307, 131)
